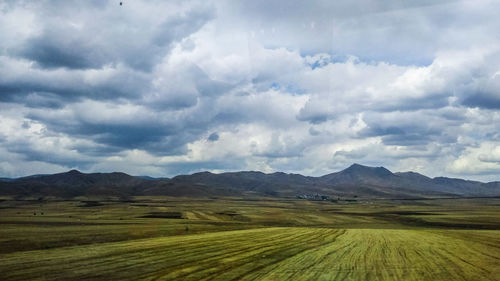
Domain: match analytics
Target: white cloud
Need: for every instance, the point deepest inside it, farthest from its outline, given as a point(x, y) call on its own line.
point(289, 86)
point(483, 159)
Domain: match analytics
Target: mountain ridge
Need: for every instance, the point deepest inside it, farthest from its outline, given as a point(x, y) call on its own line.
point(356, 180)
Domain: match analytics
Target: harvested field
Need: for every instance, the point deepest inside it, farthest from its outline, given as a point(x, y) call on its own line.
point(282, 240)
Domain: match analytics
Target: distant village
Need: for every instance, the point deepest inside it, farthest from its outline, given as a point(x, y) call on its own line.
point(319, 197)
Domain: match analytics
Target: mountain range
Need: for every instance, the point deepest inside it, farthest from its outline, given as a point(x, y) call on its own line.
point(354, 181)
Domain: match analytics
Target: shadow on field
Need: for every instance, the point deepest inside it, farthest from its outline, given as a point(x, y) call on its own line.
point(165, 215)
point(407, 218)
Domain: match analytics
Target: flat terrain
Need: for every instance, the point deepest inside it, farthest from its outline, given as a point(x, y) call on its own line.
point(160, 238)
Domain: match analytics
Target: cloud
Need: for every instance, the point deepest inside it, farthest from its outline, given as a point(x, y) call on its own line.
point(160, 88)
point(392, 31)
point(213, 137)
point(82, 35)
point(19, 79)
point(492, 155)
point(116, 125)
point(478, 160)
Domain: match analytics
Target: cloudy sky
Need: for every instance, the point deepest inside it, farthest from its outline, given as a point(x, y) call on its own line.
point(167, 87)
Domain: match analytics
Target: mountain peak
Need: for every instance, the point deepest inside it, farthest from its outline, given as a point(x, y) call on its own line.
point(73, 172)
point(358, 168)
point(358, 173)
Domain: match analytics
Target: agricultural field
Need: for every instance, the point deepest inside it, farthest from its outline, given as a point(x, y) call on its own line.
point(161, 238)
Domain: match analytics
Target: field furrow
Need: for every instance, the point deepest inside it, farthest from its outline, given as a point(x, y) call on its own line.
point(368, 254)
point(249, 240)
point(266, 254)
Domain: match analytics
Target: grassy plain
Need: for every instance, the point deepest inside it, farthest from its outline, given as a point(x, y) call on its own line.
point(153, 238)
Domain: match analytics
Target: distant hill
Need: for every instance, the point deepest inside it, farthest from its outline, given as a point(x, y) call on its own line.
point(151, 178)
point(355, 181)
point(73, 183)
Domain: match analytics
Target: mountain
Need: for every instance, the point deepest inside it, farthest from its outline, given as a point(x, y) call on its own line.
point(354, 181)
point(381, 182)
point(73, 183)
point(150, 178)
point(275, 184)
point(6, 179)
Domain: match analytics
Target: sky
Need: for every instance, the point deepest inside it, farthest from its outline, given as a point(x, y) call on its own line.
point(162, 88)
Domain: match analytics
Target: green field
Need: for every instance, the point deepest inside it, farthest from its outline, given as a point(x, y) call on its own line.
point(241, 239)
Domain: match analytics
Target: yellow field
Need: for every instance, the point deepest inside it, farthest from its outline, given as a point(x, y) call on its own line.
point(205, 246)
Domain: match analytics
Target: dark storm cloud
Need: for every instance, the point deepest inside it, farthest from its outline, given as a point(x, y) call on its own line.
point(482, 89)
point(91, 35)
point(483, 100)
point(50, 51)
point(143, 134)
point(375, 130)
point(94, 50)
point(71, 86)
point(451, 113)
point(213, 137)
point(313, 117)
point(402, 128)
point(128, 126)
point(30, 153)
point(40, 100)
point(96, 150)
point(112, 43)
point(398, 136)
point(317, 111)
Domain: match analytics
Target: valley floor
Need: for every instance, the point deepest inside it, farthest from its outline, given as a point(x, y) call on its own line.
point(235, 239)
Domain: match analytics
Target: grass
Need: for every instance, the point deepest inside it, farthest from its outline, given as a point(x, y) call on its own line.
point(261, 239)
